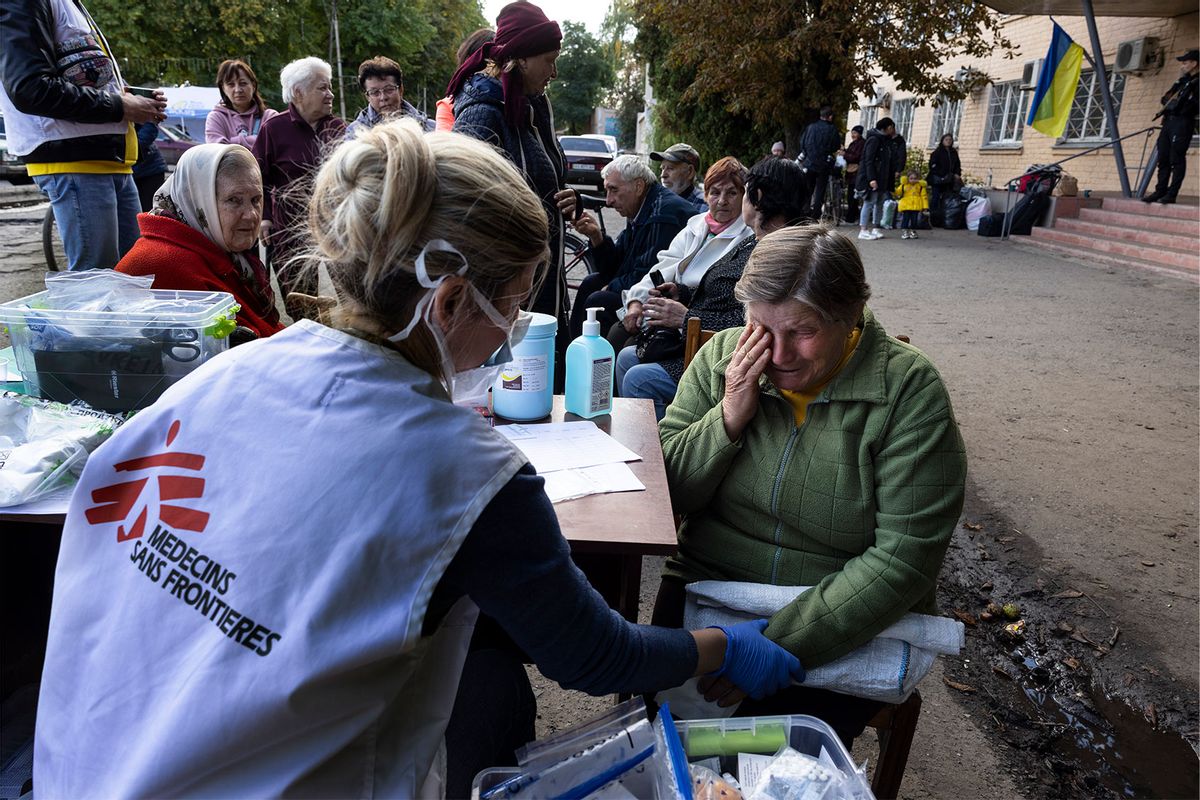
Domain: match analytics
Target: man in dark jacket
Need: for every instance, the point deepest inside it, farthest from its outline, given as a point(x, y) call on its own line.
point(1180, 105)
point(876, 176)
point(818, 146)
point(69, 117)
point(654, 216)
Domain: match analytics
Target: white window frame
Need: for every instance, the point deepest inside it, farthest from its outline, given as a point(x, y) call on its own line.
point(903, 111)
point(1012, 101)
point(1086, 103)
point(868, 117)
point(947, 118)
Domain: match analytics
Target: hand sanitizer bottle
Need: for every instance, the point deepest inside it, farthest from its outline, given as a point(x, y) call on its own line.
point(590, 362)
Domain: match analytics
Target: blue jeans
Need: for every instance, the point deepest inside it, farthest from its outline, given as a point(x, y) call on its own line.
point(873, 202)
point(650, 381)
point(96, 216)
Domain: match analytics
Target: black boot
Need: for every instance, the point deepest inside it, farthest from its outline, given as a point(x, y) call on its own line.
point(1166, 200)
point(1154, 196)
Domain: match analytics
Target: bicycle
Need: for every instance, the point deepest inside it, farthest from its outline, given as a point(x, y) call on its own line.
point(51, 243)
point(576, 248)
point(833, 210)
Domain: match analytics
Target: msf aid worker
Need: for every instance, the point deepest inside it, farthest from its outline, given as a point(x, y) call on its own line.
point(298, 624)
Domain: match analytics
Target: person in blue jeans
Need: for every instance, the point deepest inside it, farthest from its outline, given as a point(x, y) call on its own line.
point(69, 116)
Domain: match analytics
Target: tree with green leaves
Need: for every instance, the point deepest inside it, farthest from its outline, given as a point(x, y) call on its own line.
point(732, 75)
point(617, 33)
point(172, 41)
point(584, 75)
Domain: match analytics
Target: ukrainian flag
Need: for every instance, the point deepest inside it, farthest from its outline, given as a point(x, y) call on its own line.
point(1056, 85)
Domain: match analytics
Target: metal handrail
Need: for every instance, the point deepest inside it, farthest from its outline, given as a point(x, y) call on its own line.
point(1006, 226)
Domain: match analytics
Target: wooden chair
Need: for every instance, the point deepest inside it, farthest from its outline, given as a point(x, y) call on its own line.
point(896, 726)
point(694, 338)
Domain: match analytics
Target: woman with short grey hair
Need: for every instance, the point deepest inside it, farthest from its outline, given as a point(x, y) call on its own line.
point(809, 448)
point(289, 148)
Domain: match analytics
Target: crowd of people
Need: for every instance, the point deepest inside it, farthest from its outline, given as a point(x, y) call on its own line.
point(362, 519)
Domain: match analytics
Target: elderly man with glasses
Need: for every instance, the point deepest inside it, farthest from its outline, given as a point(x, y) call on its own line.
point(382, 81)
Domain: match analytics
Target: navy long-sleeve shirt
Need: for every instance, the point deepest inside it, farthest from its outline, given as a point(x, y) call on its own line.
point(516, 566)
point(627, 260)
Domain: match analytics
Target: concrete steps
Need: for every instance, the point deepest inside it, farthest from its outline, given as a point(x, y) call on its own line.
point(1129, 233)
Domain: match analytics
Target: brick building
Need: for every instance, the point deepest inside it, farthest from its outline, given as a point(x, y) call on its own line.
point(989, 125)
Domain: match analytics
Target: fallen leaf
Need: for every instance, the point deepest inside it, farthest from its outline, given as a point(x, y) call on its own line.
point(1151, 714)
point(986, 616)
point(1064, 628)
point(1129, 679)
point(1079, 636)
point(1002, 672)
point(987, 586)
point(1147, 563)
point(1067, 594)
point(962, 687)
point(1071, 662)
point(965, 618)
point(972, 526)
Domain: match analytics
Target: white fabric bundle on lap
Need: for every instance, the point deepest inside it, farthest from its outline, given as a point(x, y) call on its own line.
point(887, 668)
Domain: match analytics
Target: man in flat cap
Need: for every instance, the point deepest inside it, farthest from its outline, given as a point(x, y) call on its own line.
point(1180, 105)
point(680, 166)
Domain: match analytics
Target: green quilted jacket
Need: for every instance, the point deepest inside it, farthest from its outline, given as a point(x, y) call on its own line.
point(859, 501)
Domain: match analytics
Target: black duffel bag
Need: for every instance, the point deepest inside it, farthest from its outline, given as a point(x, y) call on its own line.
point(991, 224)
point(1027, 213)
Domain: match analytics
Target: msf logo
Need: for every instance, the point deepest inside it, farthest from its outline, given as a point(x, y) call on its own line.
point(129, 500)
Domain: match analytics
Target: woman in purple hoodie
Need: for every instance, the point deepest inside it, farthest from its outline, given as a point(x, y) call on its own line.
point(241, 113)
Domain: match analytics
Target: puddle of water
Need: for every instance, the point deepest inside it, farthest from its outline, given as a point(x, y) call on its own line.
point(1116, 745)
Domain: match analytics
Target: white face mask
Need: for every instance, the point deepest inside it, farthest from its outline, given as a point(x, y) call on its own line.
point(470, 386)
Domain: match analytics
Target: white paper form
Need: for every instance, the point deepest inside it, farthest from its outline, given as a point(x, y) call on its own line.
point(567, 484)
point(566, 445)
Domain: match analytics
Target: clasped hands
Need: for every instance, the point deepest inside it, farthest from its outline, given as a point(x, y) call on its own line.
point(661, 310)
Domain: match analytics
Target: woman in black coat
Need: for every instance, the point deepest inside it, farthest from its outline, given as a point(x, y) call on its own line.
point(945, 171)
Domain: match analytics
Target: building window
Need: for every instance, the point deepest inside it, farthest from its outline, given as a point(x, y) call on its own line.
point(902, 115)
point(870, 115)
point(1006, 114)
point(1087, 122)
point(947, 117)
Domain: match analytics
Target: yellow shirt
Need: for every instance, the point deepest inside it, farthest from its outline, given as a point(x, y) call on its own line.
point(92, 167)
point(800, 400)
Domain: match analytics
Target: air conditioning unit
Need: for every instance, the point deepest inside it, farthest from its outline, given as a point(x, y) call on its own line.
point(961, 75)
point(1030, 73)
point(1137, 55)
point(881, 98)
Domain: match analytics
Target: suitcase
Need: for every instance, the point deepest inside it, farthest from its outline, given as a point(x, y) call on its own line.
point(1027, 213)
point(991, 225)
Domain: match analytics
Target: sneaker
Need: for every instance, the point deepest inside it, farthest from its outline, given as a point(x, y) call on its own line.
point(877, 234)
point(865, 235)
point(912, 234)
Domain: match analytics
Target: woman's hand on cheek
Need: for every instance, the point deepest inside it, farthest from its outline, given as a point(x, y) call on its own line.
point(750, 359)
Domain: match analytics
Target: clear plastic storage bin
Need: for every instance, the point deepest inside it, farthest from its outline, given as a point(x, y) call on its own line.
point(115, 361)
point(723, 739)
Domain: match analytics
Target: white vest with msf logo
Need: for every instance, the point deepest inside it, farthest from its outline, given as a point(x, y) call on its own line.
point(244, 574)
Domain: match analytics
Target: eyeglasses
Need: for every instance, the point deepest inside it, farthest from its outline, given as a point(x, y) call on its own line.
point(387, 90)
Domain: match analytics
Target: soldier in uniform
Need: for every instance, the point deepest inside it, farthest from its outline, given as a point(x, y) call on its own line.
point(1180, 105)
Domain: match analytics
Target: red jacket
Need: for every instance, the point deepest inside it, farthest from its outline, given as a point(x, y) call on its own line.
point(182, 258)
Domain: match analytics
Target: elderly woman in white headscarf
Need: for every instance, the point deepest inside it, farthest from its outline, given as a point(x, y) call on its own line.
point(201, 233)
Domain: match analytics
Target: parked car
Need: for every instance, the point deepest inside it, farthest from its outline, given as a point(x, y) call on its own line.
point(172, 141)
point(609, 141)
point(586, 156)
point(11, 168)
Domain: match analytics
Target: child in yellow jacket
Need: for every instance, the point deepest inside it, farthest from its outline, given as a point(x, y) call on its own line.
point(914, 198)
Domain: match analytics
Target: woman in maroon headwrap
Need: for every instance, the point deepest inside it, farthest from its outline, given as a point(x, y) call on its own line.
point(500, 97)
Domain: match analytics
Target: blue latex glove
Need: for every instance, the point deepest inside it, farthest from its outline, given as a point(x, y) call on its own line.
point(754, 663)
